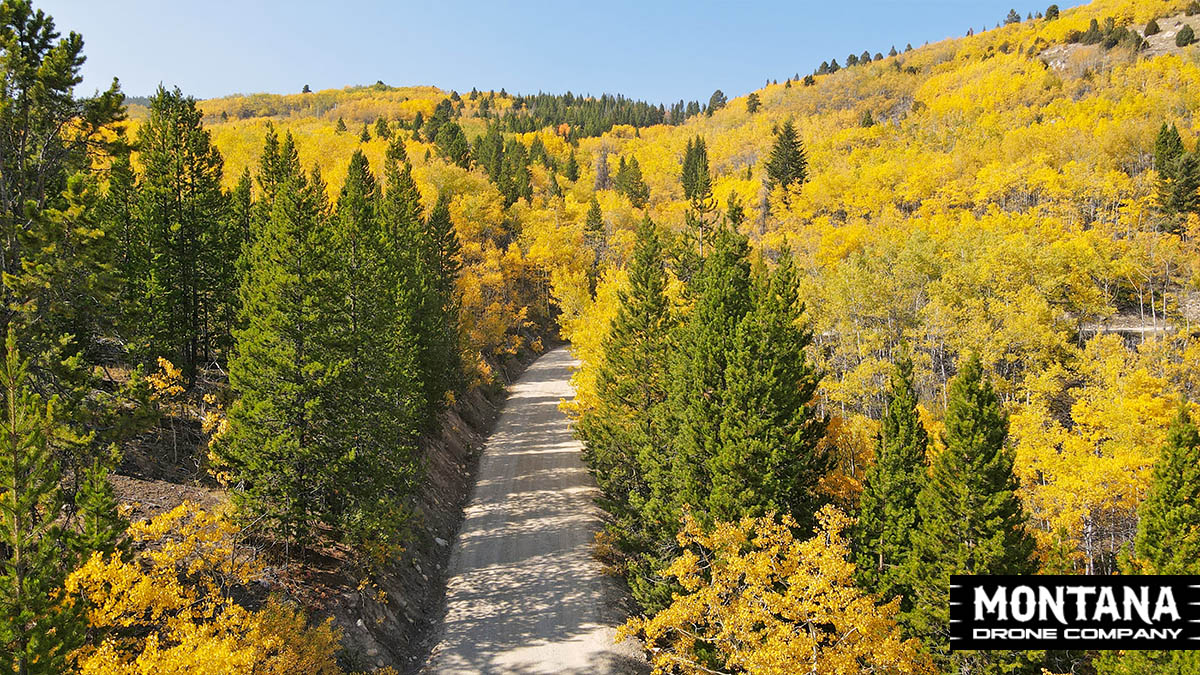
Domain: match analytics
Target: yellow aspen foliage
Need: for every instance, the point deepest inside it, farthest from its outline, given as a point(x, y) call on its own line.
point(169, 608)
point(757, 600)
point(1086, 476)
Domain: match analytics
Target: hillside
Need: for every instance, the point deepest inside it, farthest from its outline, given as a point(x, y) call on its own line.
point(938, 310)
point(993, 194)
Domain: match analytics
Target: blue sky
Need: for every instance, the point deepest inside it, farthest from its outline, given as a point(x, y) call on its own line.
point(657, 50)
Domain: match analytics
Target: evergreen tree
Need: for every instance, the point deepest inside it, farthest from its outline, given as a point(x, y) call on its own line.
point(631, 183)
point(381, 128)
point(118, 213)
point(753, 103)
point(1152, 28)
point(55, 258)
point(970, 519)
point(696, 179)
point(414, 292)
point(488, 152)
point(571, 170)
point(1179, 187)
point(376, 384)
point(102, 527)
point(723, 298)
point(767, 456)
point(190, 258)
point(1012, 17)
point(39, 627)
point(442, 115)
point(516, 182)
point(1185, 36)
point(282, 434)
point(623, 429)
point(441, 350)
point(697, 189)
point(593, 228)
point(716, 102)
point(787, 165)
point(868, 120)
point(452, 143)
point(1168, 535)
point(365, 135)
point(893, 51)
point(887, 513)
point(1168, 147)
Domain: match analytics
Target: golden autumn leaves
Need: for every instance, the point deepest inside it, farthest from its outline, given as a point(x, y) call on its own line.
point(771, 604)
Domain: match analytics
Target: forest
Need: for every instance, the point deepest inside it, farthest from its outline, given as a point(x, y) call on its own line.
point(918, 312)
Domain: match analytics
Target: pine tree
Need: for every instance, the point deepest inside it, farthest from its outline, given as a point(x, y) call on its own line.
point(442, 114)
point(453, 144)
point(1179, 189)
point(118, 213)
point(696, 179)
point(753, 103)
point(630, 183)
point(377, 384)
point(716, 102)
point(768, 456)
point(593, 228)
point(516, 182)
point(623, 428)
point(382, 130)
point(1168, 535)
point(441, 352)
point(190, 258)
point(1185, 36)
point(55, 259)
point(723, 298)
point(1152, 28)
point(281, 438)
point(571, 170)
point(1168, 147)
point(787, 165)
point(888, 505)
point(38, 627)
point(365, 135)
point(1012, 17)
point(971, 521)
point(102, 528)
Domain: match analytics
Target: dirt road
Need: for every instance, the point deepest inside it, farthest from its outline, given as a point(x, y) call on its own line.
point(524, 594)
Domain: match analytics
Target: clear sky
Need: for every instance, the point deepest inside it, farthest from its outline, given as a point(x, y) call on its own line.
point(658, 50)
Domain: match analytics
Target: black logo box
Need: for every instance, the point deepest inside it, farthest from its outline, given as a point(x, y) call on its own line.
point(982, 625)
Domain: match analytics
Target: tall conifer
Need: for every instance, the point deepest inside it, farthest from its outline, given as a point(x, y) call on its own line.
point(970, 519)
point(888, 506)
point(768, 456)
point(282, 434)
point(38, 627)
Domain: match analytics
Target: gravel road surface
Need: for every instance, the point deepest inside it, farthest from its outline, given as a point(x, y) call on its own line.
point(525, 594)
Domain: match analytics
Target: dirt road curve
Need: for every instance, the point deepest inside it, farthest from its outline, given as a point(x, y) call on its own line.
point(525, 595)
